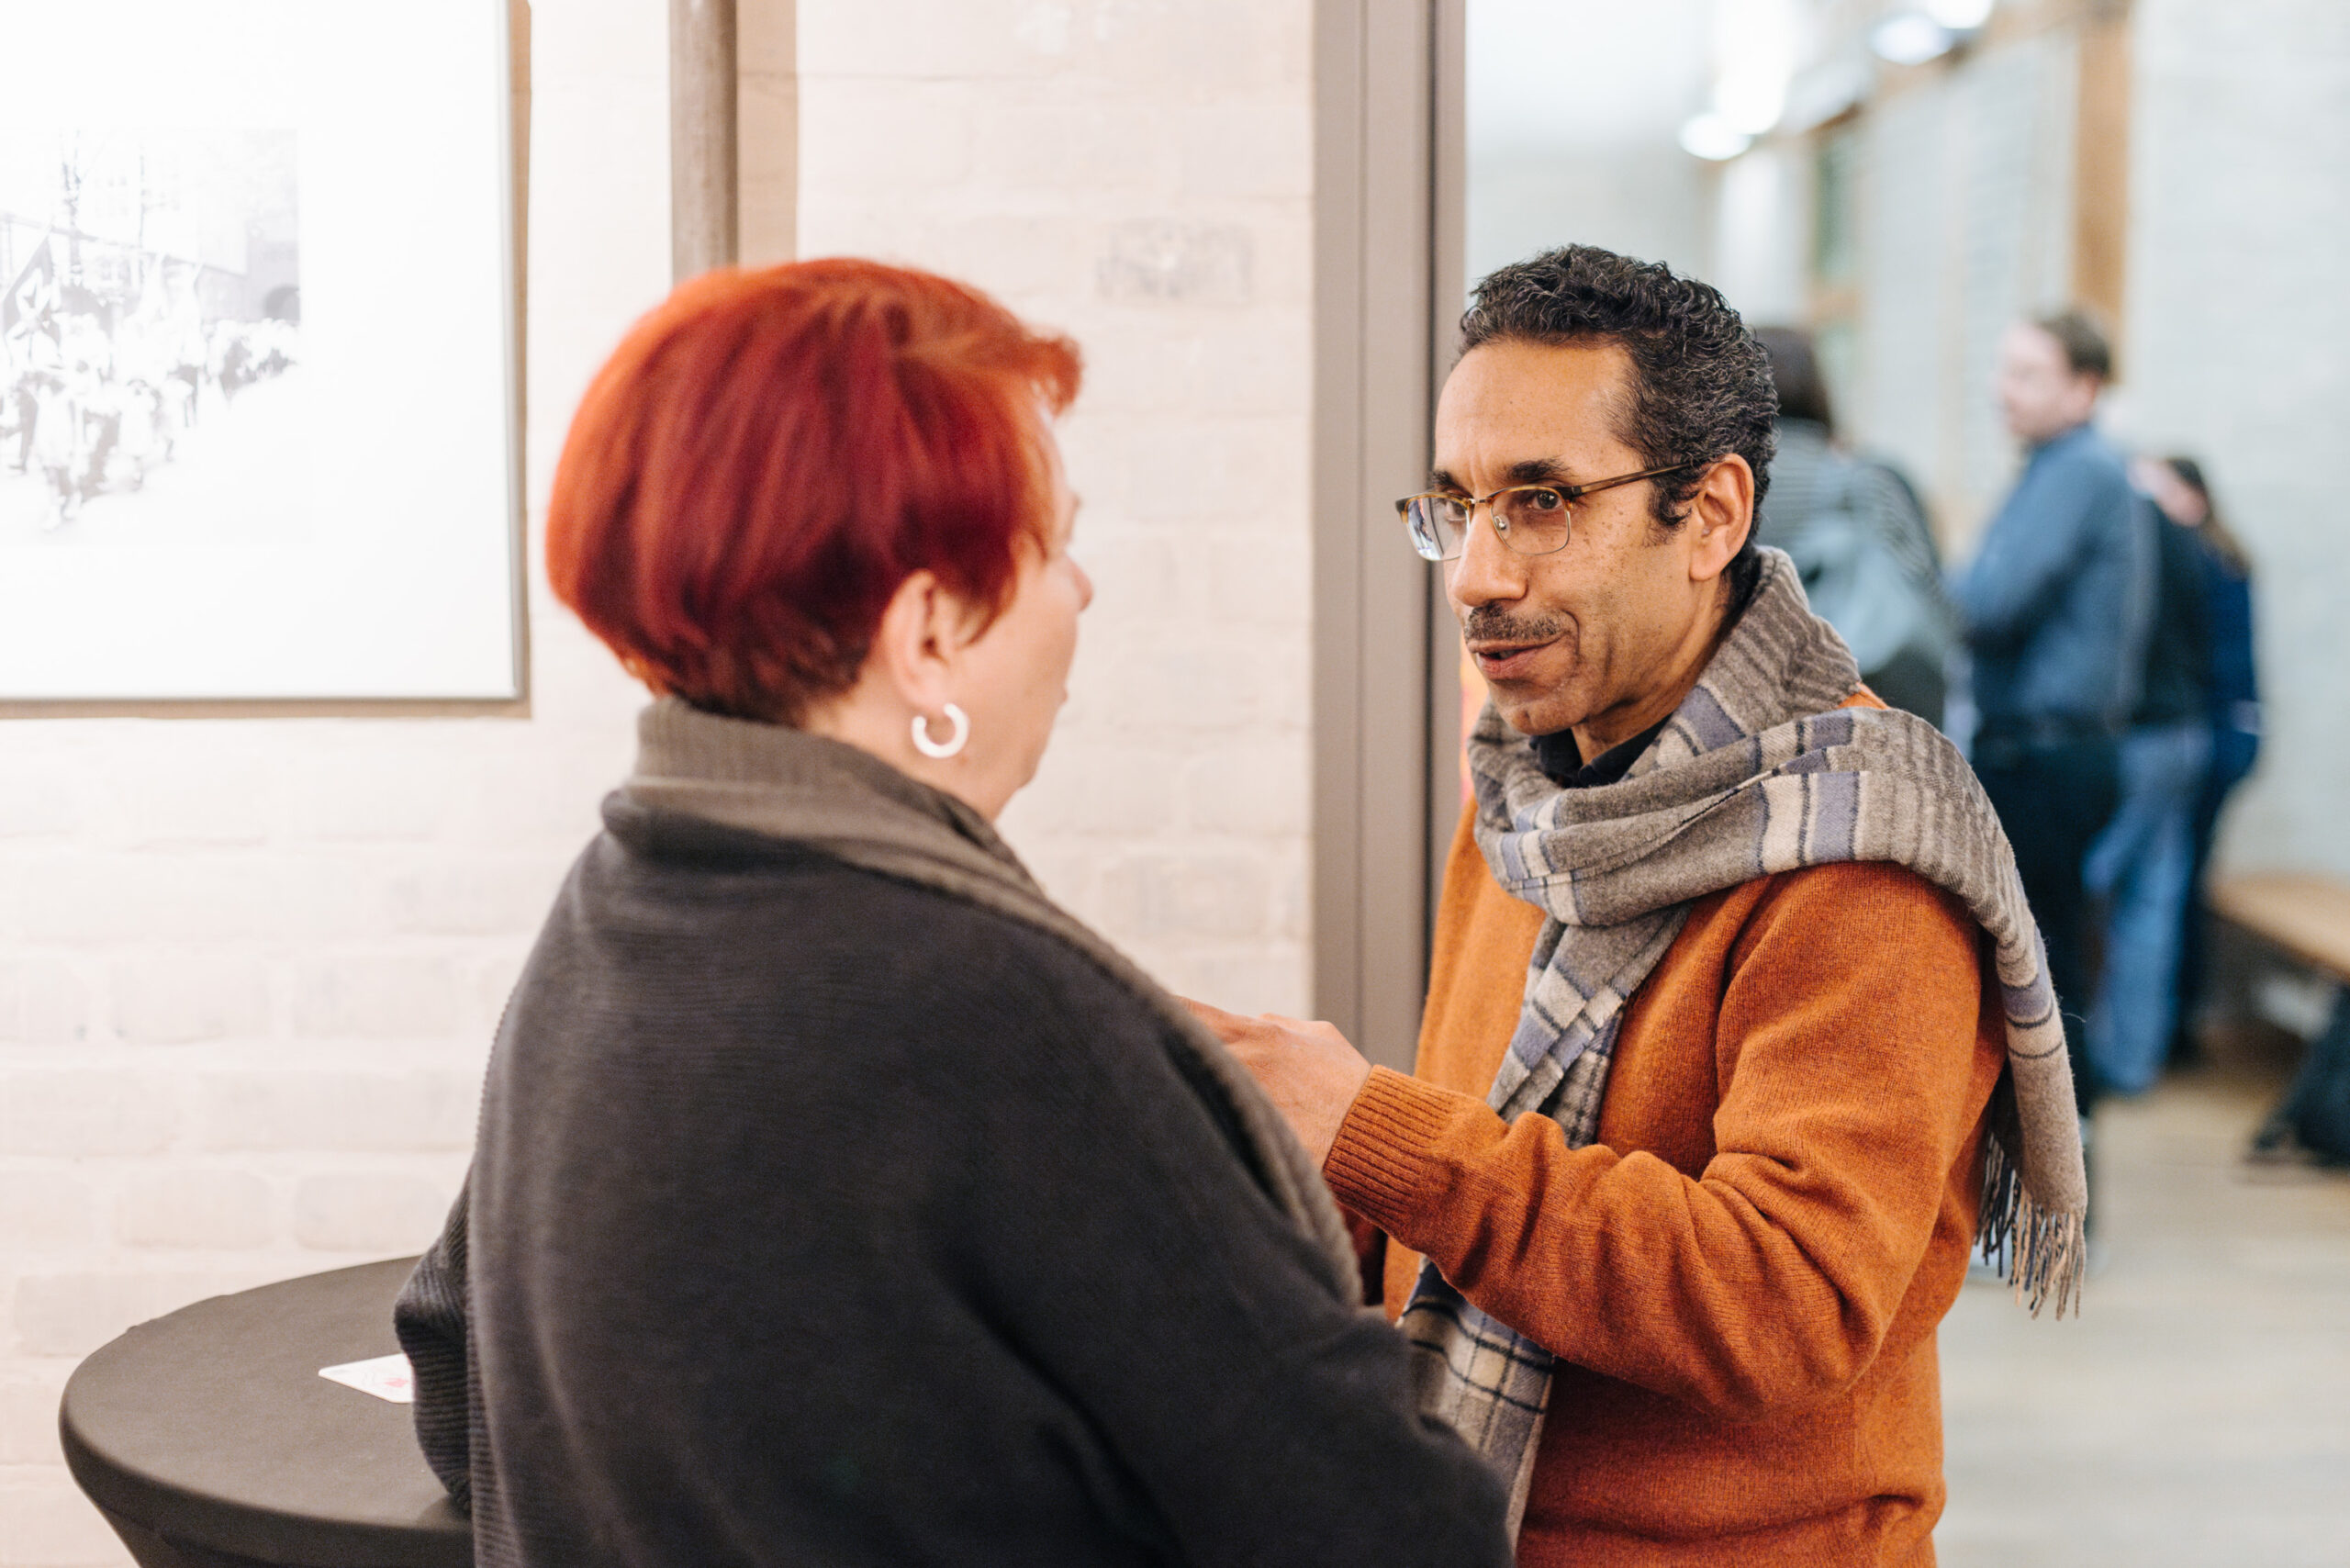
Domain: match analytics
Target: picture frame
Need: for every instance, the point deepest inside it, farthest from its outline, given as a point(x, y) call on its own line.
point(260, 359)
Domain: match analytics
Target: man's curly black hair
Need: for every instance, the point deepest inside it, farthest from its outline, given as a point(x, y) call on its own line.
point(1701, 386)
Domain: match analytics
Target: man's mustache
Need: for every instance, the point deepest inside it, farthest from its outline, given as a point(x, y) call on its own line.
point(1487, 624)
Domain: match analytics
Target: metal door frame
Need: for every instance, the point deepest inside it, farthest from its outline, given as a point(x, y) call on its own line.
point(1387, 263)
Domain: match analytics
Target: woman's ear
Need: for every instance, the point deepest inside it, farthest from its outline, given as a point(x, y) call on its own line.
point(918, 646)
point(1723, 511)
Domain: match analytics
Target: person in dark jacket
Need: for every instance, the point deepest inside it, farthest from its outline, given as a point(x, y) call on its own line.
point(2183, 496)
point(838, 1199)
point(2141, 867)
point(1858, 539)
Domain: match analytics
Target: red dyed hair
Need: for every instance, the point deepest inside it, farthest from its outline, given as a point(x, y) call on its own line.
point(771, 453)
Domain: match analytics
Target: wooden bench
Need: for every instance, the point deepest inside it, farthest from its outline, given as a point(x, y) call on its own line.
point(2304, 914)
point(2305, 918)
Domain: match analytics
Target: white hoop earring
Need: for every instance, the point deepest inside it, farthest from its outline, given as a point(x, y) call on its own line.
point(958, 721)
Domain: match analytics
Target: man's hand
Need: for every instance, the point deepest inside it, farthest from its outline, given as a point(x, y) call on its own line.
point(1309, 1071)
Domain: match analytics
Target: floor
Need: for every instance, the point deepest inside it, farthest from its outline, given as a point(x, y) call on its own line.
point(2198, 1412)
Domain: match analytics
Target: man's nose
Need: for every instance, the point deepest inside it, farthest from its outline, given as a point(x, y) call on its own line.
point(1488, 571)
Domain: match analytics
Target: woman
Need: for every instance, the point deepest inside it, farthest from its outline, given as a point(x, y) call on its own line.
point(838, 1199)
point(2140, 870)
point(2182, 495)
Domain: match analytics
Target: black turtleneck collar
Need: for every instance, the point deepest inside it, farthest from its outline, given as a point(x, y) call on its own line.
point(1561, 760)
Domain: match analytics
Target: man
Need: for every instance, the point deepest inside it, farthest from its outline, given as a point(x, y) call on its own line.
point(1696, 1141)
point(2056, 606)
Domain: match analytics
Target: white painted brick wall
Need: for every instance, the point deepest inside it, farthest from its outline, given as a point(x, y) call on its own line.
point(45, 1210)
point(1137, 173)
point(195, 1209)
point(249, 968)
point(361, 1212)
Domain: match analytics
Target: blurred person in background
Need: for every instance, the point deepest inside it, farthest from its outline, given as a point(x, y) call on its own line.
point(2140, 870)
point(838, 1198)
point(1858, 539)
point(2180, 492)
point(2053, 609)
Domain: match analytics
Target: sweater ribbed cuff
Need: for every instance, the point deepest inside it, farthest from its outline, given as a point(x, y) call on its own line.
point(1379, 1164)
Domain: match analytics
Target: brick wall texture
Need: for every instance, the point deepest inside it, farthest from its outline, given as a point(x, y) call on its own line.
point(1137, 173)
point(249, 968)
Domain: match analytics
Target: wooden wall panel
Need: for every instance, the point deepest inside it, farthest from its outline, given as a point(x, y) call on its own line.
point(2101, 180)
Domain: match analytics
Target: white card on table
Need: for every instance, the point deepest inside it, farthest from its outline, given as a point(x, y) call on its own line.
point(386, 1377)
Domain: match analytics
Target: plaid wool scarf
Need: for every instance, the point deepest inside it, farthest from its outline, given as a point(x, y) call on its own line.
point(1759, 771)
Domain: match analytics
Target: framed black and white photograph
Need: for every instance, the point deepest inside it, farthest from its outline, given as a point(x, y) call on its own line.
point(258, 401)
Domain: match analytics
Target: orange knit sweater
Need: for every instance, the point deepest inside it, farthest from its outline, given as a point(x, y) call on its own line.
point(1742, 1277)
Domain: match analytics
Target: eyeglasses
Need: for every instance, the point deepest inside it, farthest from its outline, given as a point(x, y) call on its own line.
point(1529, 520)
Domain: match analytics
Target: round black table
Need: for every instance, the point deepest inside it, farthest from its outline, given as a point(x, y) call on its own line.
point(209, 1440)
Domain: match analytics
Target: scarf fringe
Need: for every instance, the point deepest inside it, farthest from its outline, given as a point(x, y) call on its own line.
point(2042, 1252)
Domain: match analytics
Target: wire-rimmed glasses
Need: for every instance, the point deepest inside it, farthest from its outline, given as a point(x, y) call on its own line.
point(1530, 520)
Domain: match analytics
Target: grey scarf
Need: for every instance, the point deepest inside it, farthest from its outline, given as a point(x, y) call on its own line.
point(784, 783)
point(1759, 771)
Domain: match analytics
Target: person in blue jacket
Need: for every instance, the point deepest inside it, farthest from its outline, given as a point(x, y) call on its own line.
point(2054, 609)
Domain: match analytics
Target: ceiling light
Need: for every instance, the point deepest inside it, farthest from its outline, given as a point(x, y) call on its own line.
point(1754, 44)
point(1712, 137)
point(1910, 38)
point(1960, 16)
point(1751, 103)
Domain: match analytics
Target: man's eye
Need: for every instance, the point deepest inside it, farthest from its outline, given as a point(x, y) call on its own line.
point(1545, 500)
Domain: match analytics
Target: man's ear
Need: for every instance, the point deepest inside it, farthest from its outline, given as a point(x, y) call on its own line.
point(2087, 390)
point(1721, 514)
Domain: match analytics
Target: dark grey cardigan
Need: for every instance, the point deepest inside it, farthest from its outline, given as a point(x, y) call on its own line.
point(821, 1218)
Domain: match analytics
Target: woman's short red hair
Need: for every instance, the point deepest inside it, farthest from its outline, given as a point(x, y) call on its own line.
point(771, 453)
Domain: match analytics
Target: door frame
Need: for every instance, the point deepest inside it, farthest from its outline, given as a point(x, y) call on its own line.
point(1389, 178)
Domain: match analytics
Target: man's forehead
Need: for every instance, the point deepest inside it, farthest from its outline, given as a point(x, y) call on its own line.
point(1544, 411)
point(1527, 364)
point(2030, 341)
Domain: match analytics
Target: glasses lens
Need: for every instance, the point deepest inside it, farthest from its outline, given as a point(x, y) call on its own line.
point(1437, 524)
point(1533, 522)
